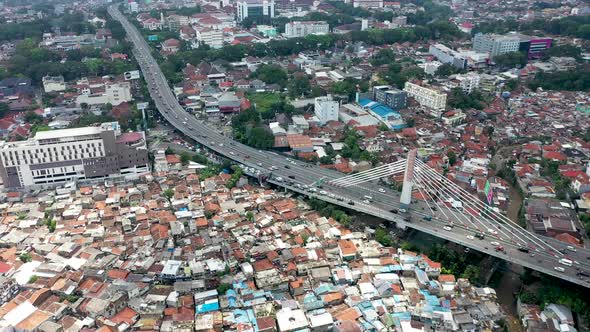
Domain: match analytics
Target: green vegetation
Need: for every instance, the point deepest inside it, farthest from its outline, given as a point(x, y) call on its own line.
point(210, 171)
point(452, 157)
point(511, 59)
point(330, 211)
point(447, 70)
point(383, 237)
point(70, 298)
point(585, 219)
point(265, 102)
point(550, 169)
point(573, 26)
point(563, 50)
point(464, 101)
point(271, 74)
point(575, 80)
point(349, 87)
point(223, 288)
point(33, 279)
point(549, 290)
point(248, 129)
point(3, 109)
point(25, 257)
point(351, 149)
point(235, 177)
point(51, 225)
point(456, 263)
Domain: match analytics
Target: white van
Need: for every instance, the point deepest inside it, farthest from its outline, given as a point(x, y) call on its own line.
point(368, 198)
point(565, 262)
point(559, 269)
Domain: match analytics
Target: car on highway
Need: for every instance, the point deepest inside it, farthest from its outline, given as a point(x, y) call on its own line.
point(259, 164)
point(323, 193)
point(500, 248)
point(491, 231)
point(570, 248)
point(381, 190)
point(447, 228)
point(287, 167)
point(494, 243)
point(292, 176)
point(559, 269)
point(523, 249)
point(480, 236)
point(350, 203)
point(366, 201)
point(232, 153)
point(470, 237)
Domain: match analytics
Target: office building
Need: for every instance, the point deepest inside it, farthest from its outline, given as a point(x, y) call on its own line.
point(304, 28)
point(394, 98)
point(326, 109)
point(427, 97)
point(533, 47)
point(447, 55)
point(78, 154)
point(255, 8)
point(495, 44)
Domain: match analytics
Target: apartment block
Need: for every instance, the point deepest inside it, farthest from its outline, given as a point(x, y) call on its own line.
point(326, 109)
point(54, 84)
point(304, 28)
point(58, 156)
point(430, 98)
point(447, 55)
point(211, 37)
point(394, 98)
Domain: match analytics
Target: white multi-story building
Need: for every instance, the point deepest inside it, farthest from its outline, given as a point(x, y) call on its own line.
point(447, 55)
point(496, 44)
point(367, 3)
point(114, 94)
point(304, 28)
point(255, 8)
point(326, 109)
point(431, 67)
point(211, 37)
point(427, 97)
point(54, 84)
point(468, 82)
point(59, 156)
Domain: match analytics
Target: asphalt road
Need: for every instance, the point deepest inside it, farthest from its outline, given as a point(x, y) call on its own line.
point(288, 173)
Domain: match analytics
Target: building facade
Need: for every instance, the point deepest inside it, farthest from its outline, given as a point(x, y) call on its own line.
point(255, 8)
point(54, 84)
point(114, 94)
point(326, 109)
point(368, 3)
point(426, 97)
point(210, 37)
point(394, 98)
point(447, 55)
point(304, 28)
point(59, 156)
point(495, 44)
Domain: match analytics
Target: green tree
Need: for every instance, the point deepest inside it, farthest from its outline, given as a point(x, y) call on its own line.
point(169, 151)
point(383, 237)
point(472, 273)
point(33, 279)
point(250, 216)
point(25, 257)
point(271, 74)
point(382, 57)
point(3, 109)
point(185, 157)
point(299, 86)
point(223, 288)
point(168, 194)
point(452, 157)
point(511, 59)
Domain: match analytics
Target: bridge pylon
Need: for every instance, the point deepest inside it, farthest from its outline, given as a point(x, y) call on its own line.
point(406, 196)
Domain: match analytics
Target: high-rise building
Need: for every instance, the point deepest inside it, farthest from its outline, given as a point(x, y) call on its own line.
point(394, 98)
point(59, 156)
point(430, 98)
point(447, 55)
point(326, 109)
point(304, 28)
point(494, 44)
point(255, 8)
